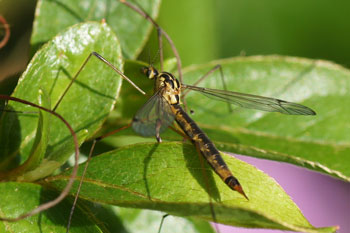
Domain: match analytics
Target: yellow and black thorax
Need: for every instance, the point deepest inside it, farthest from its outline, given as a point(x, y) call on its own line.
point(166, 83)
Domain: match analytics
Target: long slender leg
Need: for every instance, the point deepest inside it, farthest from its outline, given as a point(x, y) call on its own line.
point(161, 32)
point(82, 67)
point(79, 187)
point(160, 46)
point(67, 188)
point(86, 166)
point(217, 67)
point(95, 54)
point(161, 222)
point(7, 31)
point(180, 132)
point(158, 125)
point(137, 8)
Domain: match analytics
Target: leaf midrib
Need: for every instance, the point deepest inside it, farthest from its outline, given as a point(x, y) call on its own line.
point(275, 136)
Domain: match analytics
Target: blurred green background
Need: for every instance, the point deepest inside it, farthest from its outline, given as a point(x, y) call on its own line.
point(204, 30)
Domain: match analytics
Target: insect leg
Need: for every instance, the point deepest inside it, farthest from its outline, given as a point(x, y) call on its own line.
point(86, 166)
point(179, 132)
point(161, 32)
point(7, 32)
point(101, 58)
point(158, 125)
point(161, 222)
point(66, 190)
point(217, 67)
point(82, 67)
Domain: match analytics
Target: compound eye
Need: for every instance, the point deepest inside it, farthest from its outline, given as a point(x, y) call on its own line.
point(150, 73)
point(145, 70)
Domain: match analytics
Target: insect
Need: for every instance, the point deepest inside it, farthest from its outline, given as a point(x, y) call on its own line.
point(164, 107)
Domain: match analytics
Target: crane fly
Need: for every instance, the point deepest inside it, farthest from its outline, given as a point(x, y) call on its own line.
point(160, 111)
point(163, 108)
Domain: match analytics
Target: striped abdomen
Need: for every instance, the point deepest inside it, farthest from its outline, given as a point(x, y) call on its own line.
point(206, 147)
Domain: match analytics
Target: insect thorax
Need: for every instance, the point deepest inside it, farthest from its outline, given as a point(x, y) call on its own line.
point(171, 87)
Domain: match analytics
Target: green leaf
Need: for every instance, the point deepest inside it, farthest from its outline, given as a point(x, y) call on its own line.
point(318, 142)
point(40, 142)
point(22, 197)
point(131, 28)
point(169, 177)
point(42, 135)
point(138, 220)
point(55, 160)
point(88, 217)
point(117, 219)
point(9, 139)
point(90, 98)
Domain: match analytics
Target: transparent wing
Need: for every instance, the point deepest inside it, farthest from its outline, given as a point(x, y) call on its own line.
point(155, 113)
point(254, 101)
